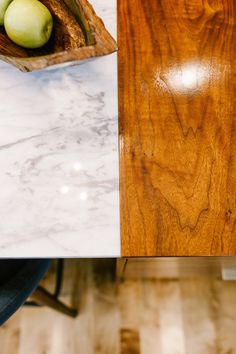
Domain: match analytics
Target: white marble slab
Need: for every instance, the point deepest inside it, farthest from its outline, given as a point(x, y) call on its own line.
point(59, 180)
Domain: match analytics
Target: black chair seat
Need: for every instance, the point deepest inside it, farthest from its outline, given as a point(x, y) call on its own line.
point(18, 280)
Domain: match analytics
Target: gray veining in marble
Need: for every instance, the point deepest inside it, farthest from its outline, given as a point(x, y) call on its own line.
point(59, 180)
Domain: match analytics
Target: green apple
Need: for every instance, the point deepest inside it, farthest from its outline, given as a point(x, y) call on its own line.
point(28, 23)
point(3, 7)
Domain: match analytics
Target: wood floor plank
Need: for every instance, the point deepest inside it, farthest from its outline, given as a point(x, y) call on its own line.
point(150, 326)
point(129, 341)
point(130, 303)
point(44, 332)
point(106, 310)
point(171, 322)
point(198, 306)
point(10, 335)
point(225, 316)
point(141, 316)
point(177, 127)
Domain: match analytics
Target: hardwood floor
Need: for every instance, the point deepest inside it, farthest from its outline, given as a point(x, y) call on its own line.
point(188, 316)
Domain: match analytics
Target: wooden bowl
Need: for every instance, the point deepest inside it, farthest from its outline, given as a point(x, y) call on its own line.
point(78, 34)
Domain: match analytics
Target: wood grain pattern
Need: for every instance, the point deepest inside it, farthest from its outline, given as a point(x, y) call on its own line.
point(78, 34)
point(177, 127)
point(194, 316)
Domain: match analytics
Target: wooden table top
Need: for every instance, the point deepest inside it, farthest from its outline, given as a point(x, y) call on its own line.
point(177, 127)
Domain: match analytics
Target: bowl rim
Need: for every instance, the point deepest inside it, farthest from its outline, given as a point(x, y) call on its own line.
point(104, 44)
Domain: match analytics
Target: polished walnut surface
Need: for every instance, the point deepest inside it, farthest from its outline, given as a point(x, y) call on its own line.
point(177, 127)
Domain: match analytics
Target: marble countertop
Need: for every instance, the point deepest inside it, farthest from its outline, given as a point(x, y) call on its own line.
point(59, 177)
